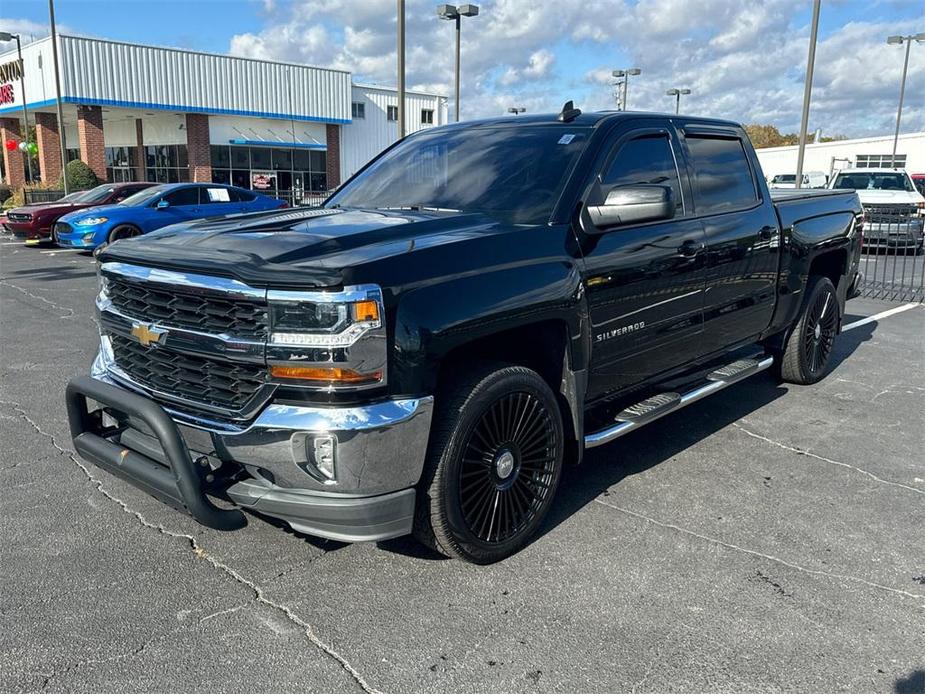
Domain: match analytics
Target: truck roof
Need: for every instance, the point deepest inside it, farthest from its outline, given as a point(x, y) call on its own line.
point(874, 169)
point(589, 119)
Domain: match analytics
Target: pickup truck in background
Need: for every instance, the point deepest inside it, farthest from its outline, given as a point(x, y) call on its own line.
point(894, 209)
point(813, 179)
point(471, 311)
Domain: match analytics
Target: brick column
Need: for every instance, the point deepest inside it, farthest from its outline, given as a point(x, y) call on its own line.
point(197, 147)
point(90, 138)
point(140, 168)
point(333, 157)
point(13, 162)
point(48, 138)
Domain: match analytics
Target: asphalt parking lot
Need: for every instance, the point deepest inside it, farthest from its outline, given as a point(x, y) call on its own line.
point(771, 538)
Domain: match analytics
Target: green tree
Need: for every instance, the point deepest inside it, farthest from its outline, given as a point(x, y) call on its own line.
point(769, 136)
point(79, 176)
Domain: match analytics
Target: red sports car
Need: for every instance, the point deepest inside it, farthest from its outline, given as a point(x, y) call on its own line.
point(36, 221)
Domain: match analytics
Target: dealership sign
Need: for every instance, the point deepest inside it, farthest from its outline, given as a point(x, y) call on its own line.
point(9, 72)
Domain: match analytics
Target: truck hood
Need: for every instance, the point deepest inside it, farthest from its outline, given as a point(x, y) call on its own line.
point(888, 197)
point(310, 248)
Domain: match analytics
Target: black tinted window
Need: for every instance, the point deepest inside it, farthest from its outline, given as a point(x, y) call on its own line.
point(645, 160)
point(238, 195)
point(183, 196)
point(722, 177)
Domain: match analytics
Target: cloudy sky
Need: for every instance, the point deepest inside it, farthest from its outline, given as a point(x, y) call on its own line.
point(742, 59)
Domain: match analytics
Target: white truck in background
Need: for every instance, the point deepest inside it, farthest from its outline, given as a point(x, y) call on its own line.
point(811, 179)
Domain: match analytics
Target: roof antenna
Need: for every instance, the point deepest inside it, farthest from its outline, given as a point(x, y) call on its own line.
point(568, 112)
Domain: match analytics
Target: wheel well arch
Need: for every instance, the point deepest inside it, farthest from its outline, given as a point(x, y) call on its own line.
point(832, 264)
point(543, 347)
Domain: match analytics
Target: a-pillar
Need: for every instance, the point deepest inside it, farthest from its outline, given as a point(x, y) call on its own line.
point(90, 139)
point(48, 139)
point(12, 159)
point(332, 135)
point(197, 147)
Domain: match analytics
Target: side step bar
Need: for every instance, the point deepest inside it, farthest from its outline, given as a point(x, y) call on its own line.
point(658, 406)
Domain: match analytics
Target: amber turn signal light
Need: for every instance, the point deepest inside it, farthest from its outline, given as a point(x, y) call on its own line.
point(366, 311)
point(324, 374)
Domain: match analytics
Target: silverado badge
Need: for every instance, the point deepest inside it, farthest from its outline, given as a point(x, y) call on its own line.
point(148, 334)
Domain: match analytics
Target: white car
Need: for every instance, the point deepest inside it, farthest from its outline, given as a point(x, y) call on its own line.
point(812, 179)
point(894, 210)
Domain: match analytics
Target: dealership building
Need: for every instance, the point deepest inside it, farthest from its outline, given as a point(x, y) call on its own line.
point(828, 157)
point(145, 113)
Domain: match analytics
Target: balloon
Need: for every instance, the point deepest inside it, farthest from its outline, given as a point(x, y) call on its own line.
point(33, 148)
point(23, 146)
point(11, 145)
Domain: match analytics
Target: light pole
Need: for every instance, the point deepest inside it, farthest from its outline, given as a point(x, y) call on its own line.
point(401, 68)
point(807, 92)
point(6, 36)
point(516, 110)
point(625, 74)
point(676, 93)
point(457, 13)
point(54, 57)
point(893, 41)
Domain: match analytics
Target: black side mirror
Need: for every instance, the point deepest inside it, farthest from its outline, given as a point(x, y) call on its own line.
point(633, 205)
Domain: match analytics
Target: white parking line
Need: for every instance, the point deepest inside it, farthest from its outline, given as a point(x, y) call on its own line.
point(877, 316)
point(63, 250)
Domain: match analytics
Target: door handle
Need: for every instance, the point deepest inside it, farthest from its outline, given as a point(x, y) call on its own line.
point(765, 233)
point(690, 248)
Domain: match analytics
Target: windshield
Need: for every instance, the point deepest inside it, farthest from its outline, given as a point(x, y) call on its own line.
point(514, 172)
point(74, 197)
point(96, 194)
point(874, 181)
point(143, 197)
point(784, 178)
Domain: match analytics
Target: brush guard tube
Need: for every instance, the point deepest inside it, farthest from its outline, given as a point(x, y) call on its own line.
point(178, 484)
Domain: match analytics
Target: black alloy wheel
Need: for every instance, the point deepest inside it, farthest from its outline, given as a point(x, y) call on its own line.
point(808, 349)
point(508, 467)
point(493, 463)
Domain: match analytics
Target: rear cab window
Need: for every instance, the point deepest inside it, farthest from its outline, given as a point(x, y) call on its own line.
point(721, 176)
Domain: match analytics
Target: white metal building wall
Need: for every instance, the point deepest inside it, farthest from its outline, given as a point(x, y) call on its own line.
point(783, 160)
point(364, 138)
point(40, 77)
point(123, 74)
point(224, 129)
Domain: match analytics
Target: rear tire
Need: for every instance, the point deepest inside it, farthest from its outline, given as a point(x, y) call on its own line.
point(493, 464)
point(806, 354)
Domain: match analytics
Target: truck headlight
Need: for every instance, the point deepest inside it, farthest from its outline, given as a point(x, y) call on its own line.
point(330, 339)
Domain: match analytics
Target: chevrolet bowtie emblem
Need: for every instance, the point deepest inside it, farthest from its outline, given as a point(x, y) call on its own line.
point(148, 334)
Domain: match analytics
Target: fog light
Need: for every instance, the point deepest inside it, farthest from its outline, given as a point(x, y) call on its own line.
point(87, 238)
point(324, 450)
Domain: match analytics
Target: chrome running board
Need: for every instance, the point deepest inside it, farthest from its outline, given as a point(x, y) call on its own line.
point(649, 410)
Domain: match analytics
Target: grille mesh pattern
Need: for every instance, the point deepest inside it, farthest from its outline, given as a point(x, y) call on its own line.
point(889, 214)
point(221, 384)
point(207, 314)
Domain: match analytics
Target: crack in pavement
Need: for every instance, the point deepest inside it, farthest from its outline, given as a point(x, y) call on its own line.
point(800, 451)
point(769, 557)
point(134, 653)
point(70, 312)
point(200, 552)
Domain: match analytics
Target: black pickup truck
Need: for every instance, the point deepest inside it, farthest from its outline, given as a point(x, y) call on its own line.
point(470, 312)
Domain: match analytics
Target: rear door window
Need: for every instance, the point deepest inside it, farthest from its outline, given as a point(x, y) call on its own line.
point(722, 178)
point(646, 159)
point(183, 196)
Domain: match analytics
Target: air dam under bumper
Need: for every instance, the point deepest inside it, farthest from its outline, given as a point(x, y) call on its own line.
point(153, 453)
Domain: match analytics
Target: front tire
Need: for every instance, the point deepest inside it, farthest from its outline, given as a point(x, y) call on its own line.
point(806, 355)
point(493, 464)
point(123, 231)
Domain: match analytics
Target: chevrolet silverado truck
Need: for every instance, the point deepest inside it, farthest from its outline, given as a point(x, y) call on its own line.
point(474, 309)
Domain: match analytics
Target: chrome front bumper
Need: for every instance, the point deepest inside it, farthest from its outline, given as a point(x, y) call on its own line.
point(378, 459)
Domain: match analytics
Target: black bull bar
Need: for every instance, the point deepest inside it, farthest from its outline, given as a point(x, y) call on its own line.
point(178, 484)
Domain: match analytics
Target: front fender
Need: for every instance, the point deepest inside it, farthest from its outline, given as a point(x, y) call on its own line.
point(436, 318)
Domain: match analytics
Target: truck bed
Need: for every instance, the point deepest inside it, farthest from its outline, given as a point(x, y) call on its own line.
point(797, 205)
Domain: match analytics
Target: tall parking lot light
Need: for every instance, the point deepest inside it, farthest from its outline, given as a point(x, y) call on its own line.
point(894, 41)
point(516, 110)
point(451, 12)
point(6, 36)
point(625, 74)
point(807, 92)
point(676, 93)
point(54, 57)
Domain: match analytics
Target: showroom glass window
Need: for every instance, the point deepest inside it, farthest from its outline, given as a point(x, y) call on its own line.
point(121, 163)
point(290, 173)
point(166, 164)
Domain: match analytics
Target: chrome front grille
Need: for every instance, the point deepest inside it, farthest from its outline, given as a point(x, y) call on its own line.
point(171, 306)
point(216, 383)
point(19, 217)
point(889, 214)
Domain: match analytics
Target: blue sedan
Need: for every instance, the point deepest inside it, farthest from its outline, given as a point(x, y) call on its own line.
point(156, 207)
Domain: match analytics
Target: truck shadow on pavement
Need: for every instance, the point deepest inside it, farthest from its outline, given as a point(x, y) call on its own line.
point(606, 466)
point(913, 683)
point(55, 273)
